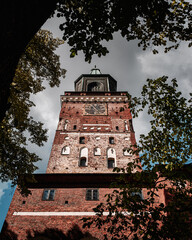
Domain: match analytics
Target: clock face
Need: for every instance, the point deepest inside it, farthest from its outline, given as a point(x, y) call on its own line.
point(95, 109)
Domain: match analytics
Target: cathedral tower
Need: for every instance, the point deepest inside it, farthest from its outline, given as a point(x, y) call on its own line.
point(93, 136)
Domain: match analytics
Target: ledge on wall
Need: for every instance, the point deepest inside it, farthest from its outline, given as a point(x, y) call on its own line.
point(100, 180)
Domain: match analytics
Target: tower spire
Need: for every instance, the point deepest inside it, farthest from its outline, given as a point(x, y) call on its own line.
point(95, 70)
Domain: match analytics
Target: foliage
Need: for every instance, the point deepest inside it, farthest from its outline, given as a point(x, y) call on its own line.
point(165, 150)
point(18, 128)
point(152, 22)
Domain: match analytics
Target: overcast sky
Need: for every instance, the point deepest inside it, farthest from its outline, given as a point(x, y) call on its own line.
point(127, 63)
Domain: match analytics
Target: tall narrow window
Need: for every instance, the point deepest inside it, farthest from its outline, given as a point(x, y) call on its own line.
point(83, 160)
point(111, 163)
point(66, 124)
point(48, 195)
point(126, 126)
point(92, 194)
point(111, 140)
point(82, 140)
point(74, 127)
point(117, 128)
point(111, 158)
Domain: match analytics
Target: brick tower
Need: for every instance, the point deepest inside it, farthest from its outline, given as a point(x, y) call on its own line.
point(93, 136)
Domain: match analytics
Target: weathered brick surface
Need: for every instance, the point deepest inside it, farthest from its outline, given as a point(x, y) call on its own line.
point(20, 225)
point(91, 127)
point(112, 124)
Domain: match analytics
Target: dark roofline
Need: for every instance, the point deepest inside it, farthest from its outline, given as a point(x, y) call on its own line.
point(78, 180)
point(98, 180)
point(73, 93)
point(94, 75)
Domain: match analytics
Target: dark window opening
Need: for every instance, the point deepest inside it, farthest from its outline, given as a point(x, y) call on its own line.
point(66, 202)
point(137, 195)
point(23, 202)
point(111, 163)
point(117, 128)
point(48, 195)
point(82, 140)
point(111, 140)
point(95, 87)
point(74, 127)
point(82, 162)
point(92, 194)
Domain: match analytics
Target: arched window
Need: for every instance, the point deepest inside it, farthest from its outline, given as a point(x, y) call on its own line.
point(95, 87)
point(66, 124)
point(127, 152)
point(83, 159)
point(126, 126)
point(65, 150)
point(137, 195)
point(97, 151)
point(111, 158)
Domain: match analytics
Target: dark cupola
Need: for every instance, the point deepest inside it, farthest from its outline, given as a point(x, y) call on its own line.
point(95, 82)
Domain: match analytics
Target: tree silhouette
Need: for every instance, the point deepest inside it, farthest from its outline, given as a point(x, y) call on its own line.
point(75, 233)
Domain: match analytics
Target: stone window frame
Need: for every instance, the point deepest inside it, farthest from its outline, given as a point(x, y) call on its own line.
point(111, 157)
point(92, 197)
point(66, 125)
point(83, 156)
point(95, 149)
point(128, 150)
point(63, 150)
point(48, 195)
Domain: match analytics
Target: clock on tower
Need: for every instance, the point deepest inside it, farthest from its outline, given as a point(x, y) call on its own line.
point(95, 109)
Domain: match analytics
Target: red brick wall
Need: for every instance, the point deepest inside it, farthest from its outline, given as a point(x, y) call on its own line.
point(77, 202)
point(20, 225)
point(117, 112)
point(103, 126)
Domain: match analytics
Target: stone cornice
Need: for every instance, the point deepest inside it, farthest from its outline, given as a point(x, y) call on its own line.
point(94, 97)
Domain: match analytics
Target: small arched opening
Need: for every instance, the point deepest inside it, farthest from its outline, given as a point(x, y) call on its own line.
point(83, 159)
